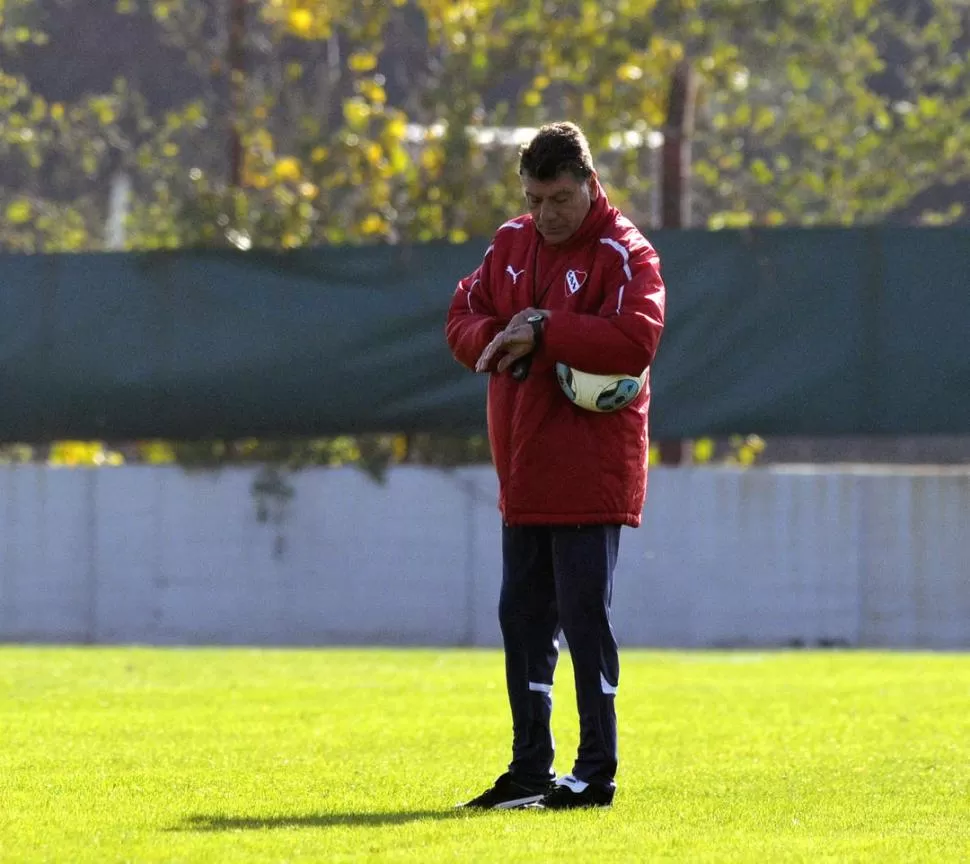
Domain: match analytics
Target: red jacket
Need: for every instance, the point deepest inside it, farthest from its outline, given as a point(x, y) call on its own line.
point(558, 464)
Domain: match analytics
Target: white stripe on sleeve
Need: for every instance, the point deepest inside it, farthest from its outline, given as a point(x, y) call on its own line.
point(623, 252)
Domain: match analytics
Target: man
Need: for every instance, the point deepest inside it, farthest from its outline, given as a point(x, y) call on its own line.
point(572, 281)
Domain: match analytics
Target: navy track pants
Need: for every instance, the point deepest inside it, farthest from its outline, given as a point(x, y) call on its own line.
point(560, 579)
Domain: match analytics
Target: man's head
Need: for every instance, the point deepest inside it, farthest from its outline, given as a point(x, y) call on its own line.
point(558, 180)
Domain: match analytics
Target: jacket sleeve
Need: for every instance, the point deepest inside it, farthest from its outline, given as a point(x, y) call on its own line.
point(472, 322)
point(623, 336)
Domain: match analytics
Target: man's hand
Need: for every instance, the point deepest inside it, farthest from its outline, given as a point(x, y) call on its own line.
point(516, 342)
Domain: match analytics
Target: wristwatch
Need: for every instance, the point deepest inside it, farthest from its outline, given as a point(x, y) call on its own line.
point(536, 322)
point(520, 368)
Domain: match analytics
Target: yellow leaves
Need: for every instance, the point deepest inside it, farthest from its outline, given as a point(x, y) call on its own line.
point(399, 448)
point(318, 154)
point(747, 449)
point(706, 172)
point(156, 452)
point(730, 219)
point(373, 92)
point(170, 149)
point(373, 224)
point(936, 218)
point(357, 114)
point(396, 127)
point(105, 112)
point(362, 61)
point(432, 158)
point(761, 172)
point(764, 118)
point(57, 111)
point(799, 77)
point(38, 109)
point(398, 160)
point(457, 235)
point(742, 115)
point(531, 98)
point(744, 450)
point(703, 450)
point(928, 106)
point(373, 153)
point(303, 19)
point(78, 454)
point(16, 454)
point(19, 212)
point(343, 450)
point(309, 190)
point(653, 110)
point(288, 169)
point(300, 22)
point(629, 72)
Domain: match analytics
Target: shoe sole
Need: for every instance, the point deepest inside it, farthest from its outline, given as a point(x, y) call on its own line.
point(513, 804)
point(518, 803)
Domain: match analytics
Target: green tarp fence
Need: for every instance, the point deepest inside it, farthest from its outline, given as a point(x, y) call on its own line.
point(778, 332)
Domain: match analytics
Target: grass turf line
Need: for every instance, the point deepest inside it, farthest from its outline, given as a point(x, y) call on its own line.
point(243, 755)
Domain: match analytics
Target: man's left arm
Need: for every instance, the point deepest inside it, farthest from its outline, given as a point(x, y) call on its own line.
point(623, 336)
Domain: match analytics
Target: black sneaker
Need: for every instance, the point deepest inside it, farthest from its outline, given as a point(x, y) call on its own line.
point(572, 794)
point(509, 794)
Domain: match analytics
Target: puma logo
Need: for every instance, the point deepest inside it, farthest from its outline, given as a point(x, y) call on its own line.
point(515, 276)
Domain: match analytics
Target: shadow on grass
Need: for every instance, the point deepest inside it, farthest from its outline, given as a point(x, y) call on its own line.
point(203, 822)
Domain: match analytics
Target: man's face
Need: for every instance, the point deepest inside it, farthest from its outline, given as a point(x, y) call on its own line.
point(559, 206)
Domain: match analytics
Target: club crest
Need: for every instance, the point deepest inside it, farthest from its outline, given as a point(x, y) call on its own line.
point(575, 279)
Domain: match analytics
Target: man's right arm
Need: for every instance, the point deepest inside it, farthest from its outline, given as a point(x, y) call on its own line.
point(472, 322)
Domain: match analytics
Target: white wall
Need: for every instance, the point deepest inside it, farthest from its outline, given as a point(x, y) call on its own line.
point(762, 557)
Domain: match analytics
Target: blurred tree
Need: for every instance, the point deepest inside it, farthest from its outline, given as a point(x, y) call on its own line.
point(31, 130)
point(811, 111)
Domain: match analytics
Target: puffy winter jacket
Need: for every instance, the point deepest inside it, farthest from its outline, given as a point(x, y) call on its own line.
point(558, 464)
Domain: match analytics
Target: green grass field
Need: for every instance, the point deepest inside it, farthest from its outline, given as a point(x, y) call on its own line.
point(242, 755)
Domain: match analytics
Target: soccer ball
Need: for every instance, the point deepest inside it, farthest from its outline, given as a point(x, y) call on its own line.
point(600, 393)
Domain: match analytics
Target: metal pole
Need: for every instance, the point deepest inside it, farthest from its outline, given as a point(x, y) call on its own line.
point(677, 148)
point(675, 184)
